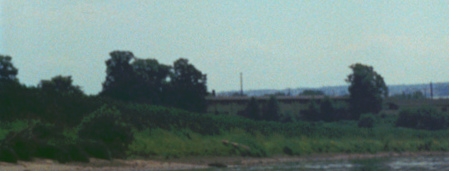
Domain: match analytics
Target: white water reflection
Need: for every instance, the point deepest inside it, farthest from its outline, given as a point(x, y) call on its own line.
point(419, 163)
point(387, 164)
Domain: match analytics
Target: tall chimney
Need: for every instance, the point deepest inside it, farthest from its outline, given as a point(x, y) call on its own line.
point(431, 90)
point(241, 84)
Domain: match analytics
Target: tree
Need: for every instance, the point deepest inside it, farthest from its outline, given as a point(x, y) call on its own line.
point(272, 110)
point(327, 110)
point(252, 110)
point(367, 90)
point(60, 84)
point(7, 70)
point(152, 80)
point(312, 113)
point(188, 87)
point(120, 77)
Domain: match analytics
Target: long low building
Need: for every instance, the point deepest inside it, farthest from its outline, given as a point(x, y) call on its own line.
point(231, 105)
point(288, 104)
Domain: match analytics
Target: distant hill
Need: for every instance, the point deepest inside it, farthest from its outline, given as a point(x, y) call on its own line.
point(440, 90)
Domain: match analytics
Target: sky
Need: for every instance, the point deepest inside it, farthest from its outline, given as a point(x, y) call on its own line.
point(275, 44)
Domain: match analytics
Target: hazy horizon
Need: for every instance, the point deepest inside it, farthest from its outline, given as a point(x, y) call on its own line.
point(276, 44)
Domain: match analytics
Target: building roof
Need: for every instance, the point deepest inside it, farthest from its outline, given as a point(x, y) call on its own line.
point(280, 98)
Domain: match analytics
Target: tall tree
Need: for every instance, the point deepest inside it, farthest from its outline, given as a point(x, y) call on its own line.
point(120, 77)
point(272, 110)
point(252, 110)
point(152, 80)
point(188, 87)
point(61, 84)
point(367, 90)
point(7, 70)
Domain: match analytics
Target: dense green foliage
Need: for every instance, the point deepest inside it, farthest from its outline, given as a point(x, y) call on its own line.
point(271, 111)
point(366, 121)
point(57, 121)
point(187, 88)
point(252, 110)
point(423, 118)
point(326, 110)
point(60, 84)
point(7, 70)
point(107, 126)
point(367, 90)
point(120, 78)
point(145, 80)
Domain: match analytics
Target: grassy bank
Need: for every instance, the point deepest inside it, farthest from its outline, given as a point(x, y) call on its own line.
point(174, 144)
point(145, 131)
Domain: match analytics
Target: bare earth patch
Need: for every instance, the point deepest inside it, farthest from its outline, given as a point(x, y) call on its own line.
point(97, 164)
point(192, 163)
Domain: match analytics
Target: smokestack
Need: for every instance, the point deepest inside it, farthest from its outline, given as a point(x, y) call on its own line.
point(241, 84)
point(431, 90)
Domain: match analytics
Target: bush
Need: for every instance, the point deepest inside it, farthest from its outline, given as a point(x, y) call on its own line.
point(38, 140)
point(96, 149)
point(312, 113)
point(423, 118)
point(366, 121)
point(7, 154)
point(328, 110)
point(107, 126)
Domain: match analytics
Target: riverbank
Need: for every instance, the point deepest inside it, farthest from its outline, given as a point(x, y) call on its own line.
point(197, 162)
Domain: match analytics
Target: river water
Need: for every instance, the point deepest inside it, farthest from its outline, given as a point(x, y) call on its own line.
point(393, 164)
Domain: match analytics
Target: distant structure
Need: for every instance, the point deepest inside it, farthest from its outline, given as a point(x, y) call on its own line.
point(232, 105)
point(241, 84)
point(431, 90)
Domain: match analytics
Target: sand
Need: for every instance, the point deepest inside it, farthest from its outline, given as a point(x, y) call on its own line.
point(193, 163)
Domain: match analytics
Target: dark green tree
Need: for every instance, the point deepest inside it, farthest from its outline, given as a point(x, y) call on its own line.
point(327, 110)
point(187, 87)
point(152, 80)
point(252, 110)
point(366, 121)
point(60, 84)
point(272, 111)
point(120, 77)
point(312, 113)
point(7, 70)
point(367, 90)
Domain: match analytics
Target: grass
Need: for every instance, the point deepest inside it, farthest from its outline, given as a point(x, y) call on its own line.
point(166, 133)
point(177, 144)
point(18, 125)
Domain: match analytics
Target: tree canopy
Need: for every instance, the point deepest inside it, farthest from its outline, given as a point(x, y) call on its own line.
point(188, 87)
point(252, 110)
point(152, 80)
point(367, 90)
point(272, 110)
point(120, 77)
point(60, 84)
point(7, 70)
point(146, 80)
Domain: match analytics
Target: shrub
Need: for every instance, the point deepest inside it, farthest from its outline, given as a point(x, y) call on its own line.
point(423, 118)
point(312, 113)
point(366, 121)
point(107, 126)
point(328, 110)
point(7, 154)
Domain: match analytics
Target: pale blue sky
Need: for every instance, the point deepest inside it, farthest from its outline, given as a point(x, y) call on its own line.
point(276, 44)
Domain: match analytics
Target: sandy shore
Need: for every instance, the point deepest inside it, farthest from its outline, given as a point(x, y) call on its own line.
point(193, 163)
point(97, 164)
